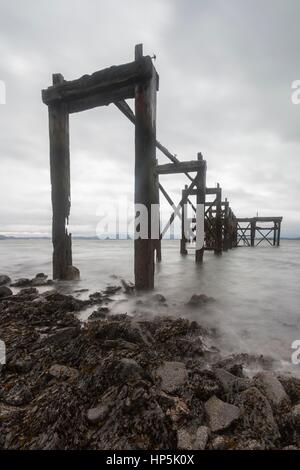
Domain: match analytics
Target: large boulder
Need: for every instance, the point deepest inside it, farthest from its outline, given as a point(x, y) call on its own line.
point(270, 386)
point(172, 375)
point(5, 292)
point(257, 420)
point(220, 414)
point(4, 280)
point(230, 383)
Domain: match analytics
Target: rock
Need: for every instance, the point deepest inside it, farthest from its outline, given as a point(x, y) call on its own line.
point(63, 372)
point(4, 280)
point(173, 375)
point(100, 313)
point(5, 292)
point(290, 448)
point(199, 299)
point(97, 414)
point(257, 420)
point(295, 413)
point(231, 383)
point(159, 298)
point(219, 443)
point(129, 369)
point(39, 280)
point(249, 444)
point(18, 395)
point(73, 274)
point(270, 386)
point(110, 290)
point(128, 286)
point(62, 335)
point(220, 414)
point(205, 384)
point(22, 282)
point(292, 387)
point(189, 438)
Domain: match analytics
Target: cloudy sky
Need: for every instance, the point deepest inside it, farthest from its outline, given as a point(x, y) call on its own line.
point(225, 67)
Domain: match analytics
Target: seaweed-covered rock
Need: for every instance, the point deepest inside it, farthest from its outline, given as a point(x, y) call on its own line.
point(257, 419)
point(191, 438)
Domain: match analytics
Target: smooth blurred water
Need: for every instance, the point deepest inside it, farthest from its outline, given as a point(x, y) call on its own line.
point(256, 290)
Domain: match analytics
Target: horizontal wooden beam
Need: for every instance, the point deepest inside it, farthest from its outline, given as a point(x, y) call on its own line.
point(259, 219)
point(102, 87)
point(180, 167)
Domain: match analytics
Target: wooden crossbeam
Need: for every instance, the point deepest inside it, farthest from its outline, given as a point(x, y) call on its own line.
point(102, 87)
point(179, 167)
point(177, 210)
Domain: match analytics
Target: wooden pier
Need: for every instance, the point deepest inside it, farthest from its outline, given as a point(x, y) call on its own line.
point(213, 220)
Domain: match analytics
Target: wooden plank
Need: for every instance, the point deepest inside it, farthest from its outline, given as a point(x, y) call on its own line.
point(180, 167)
point(105, 81)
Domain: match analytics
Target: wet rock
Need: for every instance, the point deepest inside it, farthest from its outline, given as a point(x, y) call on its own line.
point(73, 274)
point(159, 298)
point(231, 384)
point(257, 420)
point(199, 299)
point(22, 282)
point(5, 292)
point(295, 413)
point(205, 384)
point(220, 414)
point(172, 375)
point(39, 280)
point(61, 336)
point(97, 414)
point(4, 280)
point(111, 290)
point(63, 372)
point(189, 438)
point(128, 286)
point(249, 444)
point(18, 395)
point(219, 443)
point(270, 386)
point(100, 313)
point(292, 387)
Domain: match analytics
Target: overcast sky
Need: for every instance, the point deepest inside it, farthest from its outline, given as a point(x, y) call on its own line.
point(225, 67)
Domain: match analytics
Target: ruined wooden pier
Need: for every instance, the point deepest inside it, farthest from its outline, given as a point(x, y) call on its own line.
point(213, 221)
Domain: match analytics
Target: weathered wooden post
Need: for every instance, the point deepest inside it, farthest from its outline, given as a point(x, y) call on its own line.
point(226, 225)
point(275, 229)
point(252, 231)
point(183, 240)
point(278, 233)
point(145, 177)
point(200, 199)
point(60, 186)
point(218, 241)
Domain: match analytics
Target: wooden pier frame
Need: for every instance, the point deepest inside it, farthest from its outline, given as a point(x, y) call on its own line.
point(138, 80)
point(248, 228)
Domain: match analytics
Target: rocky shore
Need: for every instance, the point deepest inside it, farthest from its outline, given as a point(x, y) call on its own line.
point(123, 382)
